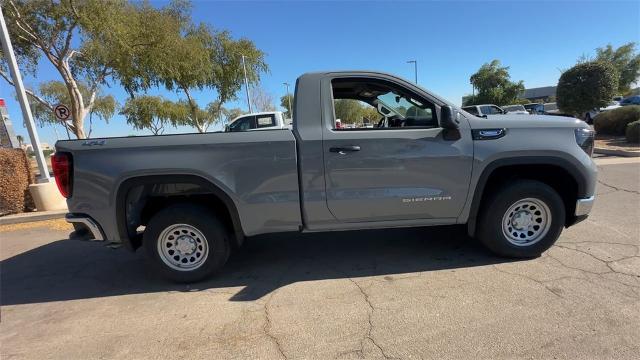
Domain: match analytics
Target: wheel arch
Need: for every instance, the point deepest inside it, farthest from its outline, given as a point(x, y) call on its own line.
point(507, 165)
point(203, 189)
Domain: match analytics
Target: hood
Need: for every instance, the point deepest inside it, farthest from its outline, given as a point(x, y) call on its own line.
point(525, 121)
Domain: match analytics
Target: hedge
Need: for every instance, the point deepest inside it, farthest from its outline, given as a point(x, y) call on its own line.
point(633, 132)
point(15, 177)
point(614, 122)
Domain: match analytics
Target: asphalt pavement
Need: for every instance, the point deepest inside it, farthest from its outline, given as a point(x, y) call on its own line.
point(426, 293)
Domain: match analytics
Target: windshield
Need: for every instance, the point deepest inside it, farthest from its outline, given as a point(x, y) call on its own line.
point(514, 108)
point(403, 106)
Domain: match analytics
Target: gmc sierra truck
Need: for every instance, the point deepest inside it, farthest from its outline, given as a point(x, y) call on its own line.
point(190, 199)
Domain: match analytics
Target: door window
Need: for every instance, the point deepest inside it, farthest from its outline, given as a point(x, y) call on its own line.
point(376, 104)
point(471, 110)
point(243, 124)
point(266, 120)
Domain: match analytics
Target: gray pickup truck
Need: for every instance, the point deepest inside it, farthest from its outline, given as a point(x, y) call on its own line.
point(190, 199)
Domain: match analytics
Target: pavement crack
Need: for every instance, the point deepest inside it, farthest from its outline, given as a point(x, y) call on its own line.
point(539, 282)
point(606, 262)
point(267, 327)
point(369, 335)
point(618, 188)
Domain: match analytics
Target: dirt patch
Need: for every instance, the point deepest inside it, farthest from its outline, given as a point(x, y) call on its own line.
point(615, 143)
point(56, 224)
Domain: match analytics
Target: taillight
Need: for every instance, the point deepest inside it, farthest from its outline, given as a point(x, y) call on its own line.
point(62, 165)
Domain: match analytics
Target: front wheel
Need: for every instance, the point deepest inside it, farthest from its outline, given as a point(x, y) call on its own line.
point(522, 220)
point(186, 242)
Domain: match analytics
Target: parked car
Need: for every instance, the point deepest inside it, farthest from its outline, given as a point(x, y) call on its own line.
point(534, 108)
point(631, 100)
point(589, 116)
point(552, 109)
point(484, 110)
point(258, 121)
point(189, 199)
point(515, 109)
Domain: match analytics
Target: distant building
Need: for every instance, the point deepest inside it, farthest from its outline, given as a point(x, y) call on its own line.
point(8, 137)
point(541, 94)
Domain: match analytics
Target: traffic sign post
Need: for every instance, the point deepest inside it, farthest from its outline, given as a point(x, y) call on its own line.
point(7, 49)
point(62, 112)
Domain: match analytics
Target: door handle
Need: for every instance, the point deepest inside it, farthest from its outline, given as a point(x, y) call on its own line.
point(345, 149)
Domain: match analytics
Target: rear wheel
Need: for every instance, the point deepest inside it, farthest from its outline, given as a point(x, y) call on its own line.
point(186, 242)
point(522, 220)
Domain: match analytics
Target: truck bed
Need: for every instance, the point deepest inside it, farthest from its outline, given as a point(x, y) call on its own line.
point(258, 171)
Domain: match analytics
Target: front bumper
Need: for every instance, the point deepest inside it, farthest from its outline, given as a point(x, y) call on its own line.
point(583, 206)
point(89, 224)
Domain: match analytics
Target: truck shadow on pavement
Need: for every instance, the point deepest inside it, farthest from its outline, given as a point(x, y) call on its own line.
point(69, 270)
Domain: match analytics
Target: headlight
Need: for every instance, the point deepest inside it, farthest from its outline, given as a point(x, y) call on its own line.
point(584, 139)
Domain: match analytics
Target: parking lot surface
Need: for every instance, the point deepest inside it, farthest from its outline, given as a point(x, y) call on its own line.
point(405, 294)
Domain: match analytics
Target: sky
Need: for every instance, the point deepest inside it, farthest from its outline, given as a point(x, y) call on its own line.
point(449, 40)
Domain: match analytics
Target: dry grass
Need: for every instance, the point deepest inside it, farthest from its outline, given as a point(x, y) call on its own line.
point(56, 224)
point(615, 143)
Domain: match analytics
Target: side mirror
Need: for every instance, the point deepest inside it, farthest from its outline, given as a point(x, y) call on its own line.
point(448, 118)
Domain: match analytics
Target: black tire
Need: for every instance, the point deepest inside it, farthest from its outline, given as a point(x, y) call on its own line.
point(490, 226)
point(204, 221)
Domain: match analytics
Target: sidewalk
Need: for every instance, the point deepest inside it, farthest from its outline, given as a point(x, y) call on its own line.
point(32, 216)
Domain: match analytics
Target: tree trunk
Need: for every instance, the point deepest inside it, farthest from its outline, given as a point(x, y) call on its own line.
point(78, 111)
point(194, 111)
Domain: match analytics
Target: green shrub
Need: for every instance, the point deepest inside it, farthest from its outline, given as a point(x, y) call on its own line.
point(633, 132)
point(586, 86)
point(614, 122)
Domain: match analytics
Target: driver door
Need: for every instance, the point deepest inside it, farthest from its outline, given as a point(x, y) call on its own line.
point(399, 173)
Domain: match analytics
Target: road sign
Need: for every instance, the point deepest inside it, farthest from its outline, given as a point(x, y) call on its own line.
point(62, 112)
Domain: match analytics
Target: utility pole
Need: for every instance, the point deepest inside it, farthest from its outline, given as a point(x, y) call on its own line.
point(415, 69)
point(286, 84)
point(246, 84)
point(7, 48)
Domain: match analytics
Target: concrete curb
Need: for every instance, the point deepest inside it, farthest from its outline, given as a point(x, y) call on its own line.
point(32, 216)
point(611, 152)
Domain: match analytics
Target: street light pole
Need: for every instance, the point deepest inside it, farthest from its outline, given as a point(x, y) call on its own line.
point(7, 48)
point(246, 84)
point(286, 84)
point(415, 69)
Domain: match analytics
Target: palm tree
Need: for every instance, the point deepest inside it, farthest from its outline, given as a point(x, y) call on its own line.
point(20, 140)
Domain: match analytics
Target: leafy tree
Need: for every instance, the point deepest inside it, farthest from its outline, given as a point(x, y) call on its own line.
point(230, 114)
point(199, 58)
point(151, 113)
point(261, 100)
point(370, 113)
point(90, 43)
point(351, 111)
point(54, 92)
point(586, 86)
point(286, 101)
point(493, 85)
point(626, 61)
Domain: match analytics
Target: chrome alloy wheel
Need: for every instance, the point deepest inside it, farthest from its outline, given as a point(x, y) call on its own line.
point(183, 247)
point(526, 222)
